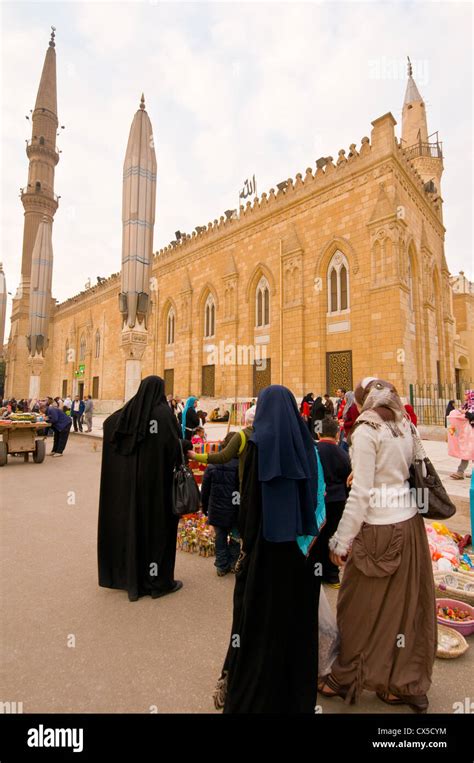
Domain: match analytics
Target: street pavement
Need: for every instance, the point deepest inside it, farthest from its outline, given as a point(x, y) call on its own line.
point(69, 646)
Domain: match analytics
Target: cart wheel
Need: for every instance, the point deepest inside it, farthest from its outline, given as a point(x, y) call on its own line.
point(40, 451)
point(3, 454)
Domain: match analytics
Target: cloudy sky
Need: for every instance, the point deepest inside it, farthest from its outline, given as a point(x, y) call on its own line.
point(232, 89)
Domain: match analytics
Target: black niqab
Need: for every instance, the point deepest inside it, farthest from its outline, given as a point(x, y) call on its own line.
point(134, 421)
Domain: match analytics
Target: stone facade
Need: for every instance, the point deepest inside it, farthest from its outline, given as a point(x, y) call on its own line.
point(463, 306)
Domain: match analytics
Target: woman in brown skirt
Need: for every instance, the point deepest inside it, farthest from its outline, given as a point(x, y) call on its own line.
point(386, 609)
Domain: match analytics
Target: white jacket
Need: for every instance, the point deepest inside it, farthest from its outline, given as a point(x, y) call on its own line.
point(380, 493)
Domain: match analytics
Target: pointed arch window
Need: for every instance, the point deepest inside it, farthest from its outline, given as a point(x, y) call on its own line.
point(209, 317)
point(338, 284)
point(170, 326)
point(411, 303)
point(82, 348)
point(97, 343)
point(262, 303)
point(66, 354)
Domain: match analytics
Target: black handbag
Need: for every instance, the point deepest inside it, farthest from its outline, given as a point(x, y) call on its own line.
point(431, 497)
point(186, 496)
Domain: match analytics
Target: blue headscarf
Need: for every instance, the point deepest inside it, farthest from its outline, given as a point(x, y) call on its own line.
point(189, 404)
point(287, 467)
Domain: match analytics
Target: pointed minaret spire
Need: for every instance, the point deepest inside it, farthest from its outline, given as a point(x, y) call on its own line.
point(142, 103)
point(38, 196)
point(47, 96)
point(414, 126)
point(412, 94)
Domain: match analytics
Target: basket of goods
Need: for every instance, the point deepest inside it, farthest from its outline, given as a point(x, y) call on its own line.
point(451, 644)
point(455, 585)
point(455, 614)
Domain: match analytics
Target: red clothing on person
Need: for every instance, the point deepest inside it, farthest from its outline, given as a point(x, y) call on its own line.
point(340, 410)
point(411, 413)
point(306, 411)
point(350, 419)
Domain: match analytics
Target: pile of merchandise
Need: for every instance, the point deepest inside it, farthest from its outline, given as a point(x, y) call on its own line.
point(28, 417)
point(195, 536)
point(447, 549)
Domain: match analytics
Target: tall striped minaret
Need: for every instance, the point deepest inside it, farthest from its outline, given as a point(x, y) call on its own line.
point(138, 219)
point(40, 204)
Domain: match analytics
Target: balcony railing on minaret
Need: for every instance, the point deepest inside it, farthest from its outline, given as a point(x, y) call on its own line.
point(39, 144)
point(432, 149)
point(33, 190)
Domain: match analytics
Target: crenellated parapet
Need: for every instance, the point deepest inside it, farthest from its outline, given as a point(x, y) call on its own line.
point(326, 174)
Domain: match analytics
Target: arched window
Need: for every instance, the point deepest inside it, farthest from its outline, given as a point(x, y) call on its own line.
point(262, 303)
point(411, 303)
point(97, 343)
point(209, 317)
point(41, 141)
point(37, 186)
point(82, 347)
point(338, 284)
point(170, 324)
point(66, 355)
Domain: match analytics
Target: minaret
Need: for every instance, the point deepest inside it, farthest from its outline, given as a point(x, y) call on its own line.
point(138, 219)
point(3, 307)
point(38, 197)
point(39, 202)
point(424, 150)
point(40, 303)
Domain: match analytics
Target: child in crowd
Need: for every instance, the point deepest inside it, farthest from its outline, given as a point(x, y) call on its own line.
point(220, 502)
point(199, 436)
point(336, 468)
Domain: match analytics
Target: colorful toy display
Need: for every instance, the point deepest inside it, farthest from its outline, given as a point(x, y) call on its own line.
point(195, 536)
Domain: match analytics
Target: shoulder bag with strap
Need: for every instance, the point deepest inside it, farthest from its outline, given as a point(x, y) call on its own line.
point(431, 497)
point(186, 496)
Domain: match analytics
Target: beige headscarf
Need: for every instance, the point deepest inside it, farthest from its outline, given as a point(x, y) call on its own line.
point(372, 394)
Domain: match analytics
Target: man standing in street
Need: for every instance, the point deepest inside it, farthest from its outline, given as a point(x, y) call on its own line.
point(61, 426)
point(88, 411)
point(76, 412)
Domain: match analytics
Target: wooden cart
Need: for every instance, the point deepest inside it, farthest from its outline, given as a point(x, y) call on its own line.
point(22, 438)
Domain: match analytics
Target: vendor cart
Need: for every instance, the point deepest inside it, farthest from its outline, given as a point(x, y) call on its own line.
point(22, 438)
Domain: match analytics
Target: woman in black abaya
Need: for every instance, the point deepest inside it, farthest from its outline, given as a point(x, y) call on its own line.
point(272, 660)
point(137, 529)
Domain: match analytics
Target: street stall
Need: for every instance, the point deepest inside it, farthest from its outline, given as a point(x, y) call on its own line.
point(22, 434)
point(453, 572)
point(194, 533)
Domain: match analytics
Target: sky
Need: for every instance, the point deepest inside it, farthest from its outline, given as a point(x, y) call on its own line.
point(232, 89)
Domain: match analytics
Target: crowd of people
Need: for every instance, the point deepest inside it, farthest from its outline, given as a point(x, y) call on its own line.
point(296, 498)
point(305, 512)
point(60, 413)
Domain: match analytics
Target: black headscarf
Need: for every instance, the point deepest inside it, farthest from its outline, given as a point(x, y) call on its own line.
point(133, 424)
point(287, 466)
